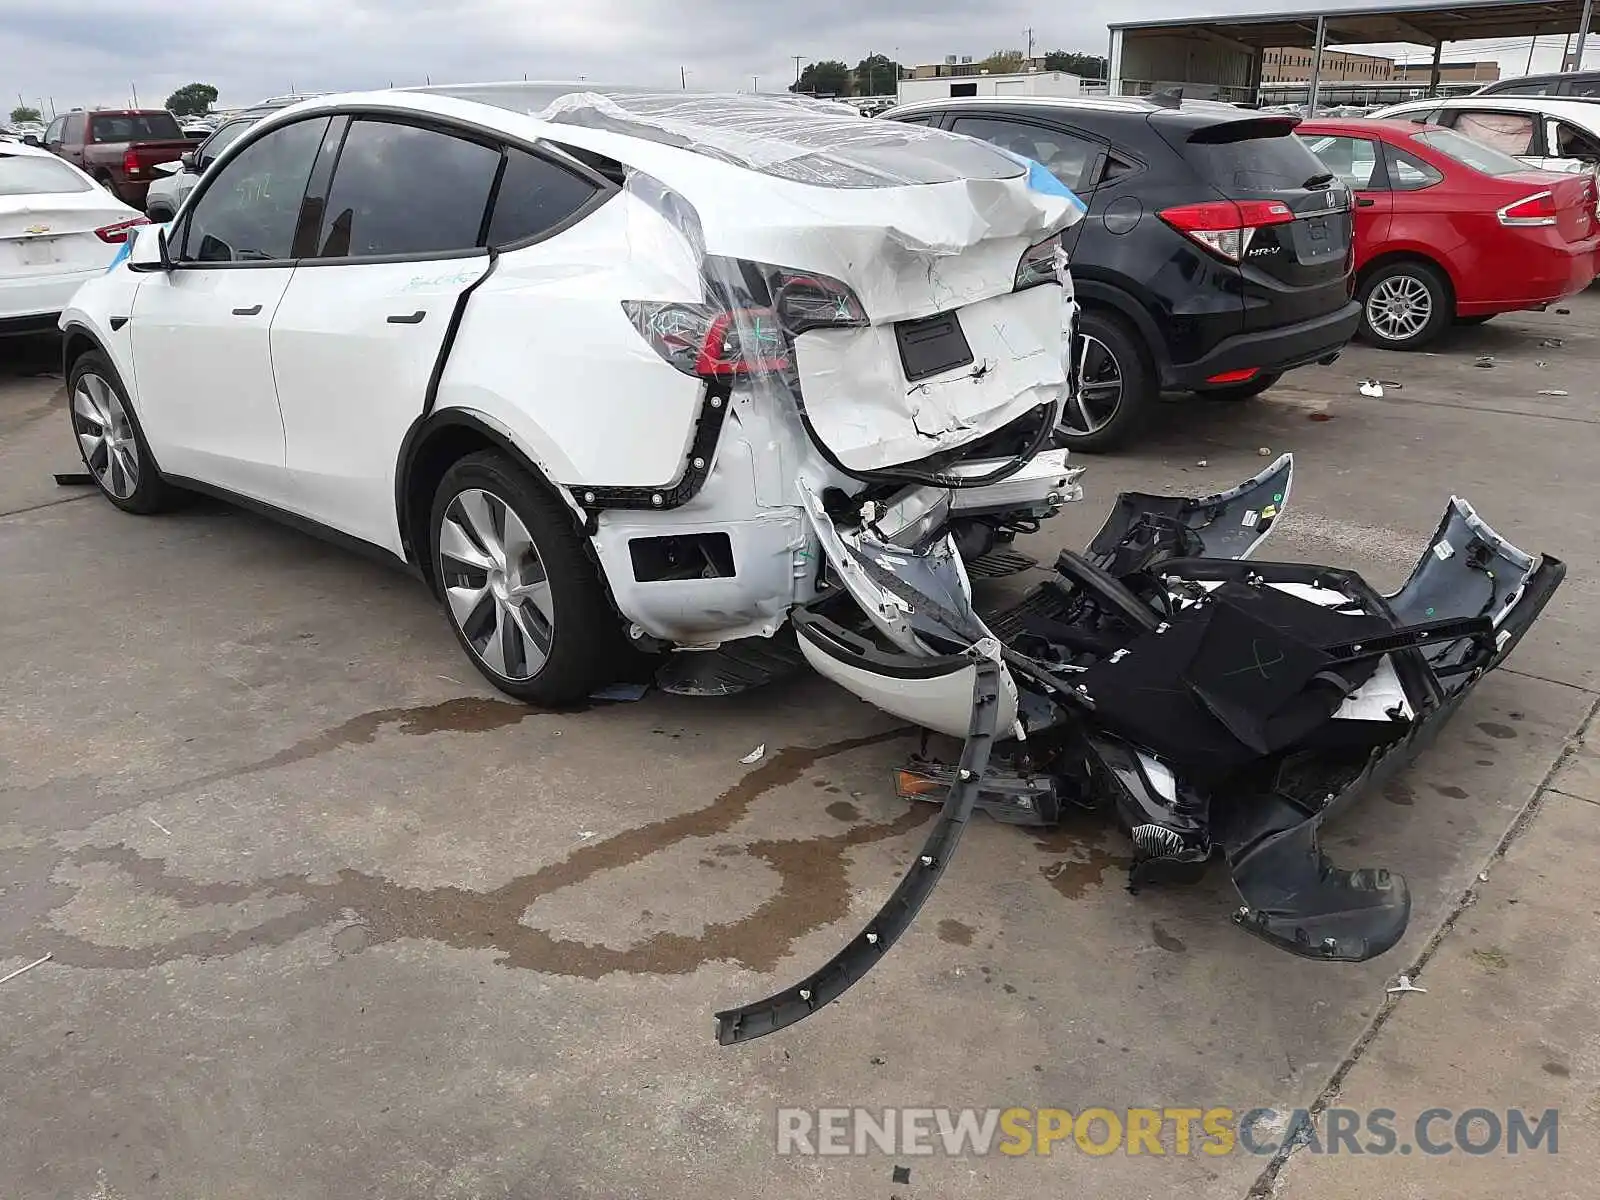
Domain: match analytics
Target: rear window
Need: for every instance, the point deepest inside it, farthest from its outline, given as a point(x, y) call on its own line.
point(27, 175)
point(1474, 154)
point(134, 127)
point(1277, 162)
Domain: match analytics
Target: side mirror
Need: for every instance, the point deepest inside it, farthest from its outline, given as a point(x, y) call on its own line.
point(148, 249)
point(188, 161)
point(30, 139)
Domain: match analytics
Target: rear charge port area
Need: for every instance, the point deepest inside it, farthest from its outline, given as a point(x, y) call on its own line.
point(682, 556)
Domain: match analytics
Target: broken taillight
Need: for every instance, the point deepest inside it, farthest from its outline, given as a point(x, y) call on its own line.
point(1537, 209)
point(1226, 227)
point(754, 332)
point(1040, 263)
point(118, 233)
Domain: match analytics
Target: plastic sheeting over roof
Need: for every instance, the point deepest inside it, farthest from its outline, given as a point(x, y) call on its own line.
point(789, 137)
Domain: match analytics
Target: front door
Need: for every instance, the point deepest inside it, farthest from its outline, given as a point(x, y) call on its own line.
point(202, 360)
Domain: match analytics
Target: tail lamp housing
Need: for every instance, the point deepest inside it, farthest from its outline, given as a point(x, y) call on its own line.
point(119, 232)
point(1226, 227)
point(1537, 209)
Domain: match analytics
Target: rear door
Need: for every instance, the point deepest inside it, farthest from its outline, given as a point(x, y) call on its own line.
point(1074, 157)
point(1358, 163)
point(1296, 265)
point(404, 228)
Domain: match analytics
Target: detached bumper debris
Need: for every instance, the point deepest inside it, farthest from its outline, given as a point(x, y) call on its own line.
point(1214, 706)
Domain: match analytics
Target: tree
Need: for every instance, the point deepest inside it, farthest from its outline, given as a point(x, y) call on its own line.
point(1002, 62)
point(876, 75)
point(192, 100)
point(22, 114)
point(830, 77)
point(1088, 66)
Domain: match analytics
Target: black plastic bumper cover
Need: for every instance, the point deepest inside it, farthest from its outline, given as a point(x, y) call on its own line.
point(1272, 350)
point(846, 968)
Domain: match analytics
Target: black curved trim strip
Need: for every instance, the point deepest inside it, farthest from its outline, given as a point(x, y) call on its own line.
point(450, 331)
point(117, 323)
point(697, 466)
point(840, 644)
point(737, 1025)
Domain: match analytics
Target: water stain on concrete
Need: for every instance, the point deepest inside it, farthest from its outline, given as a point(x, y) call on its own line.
point(813, 891)
point(955, 932)
point(1081, 859)
point(1559, 1069)
point(1496, 730)
point(843, 810)
point(1165, 940)
point(1399, 793)
point(1450, 790)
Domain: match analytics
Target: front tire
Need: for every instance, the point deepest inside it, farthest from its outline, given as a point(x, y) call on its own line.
point(519, 588)
point(1117, 388)
point(1405, 305)
point(110, 441)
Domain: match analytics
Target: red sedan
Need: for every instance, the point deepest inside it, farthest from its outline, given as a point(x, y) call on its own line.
point(1448, 229)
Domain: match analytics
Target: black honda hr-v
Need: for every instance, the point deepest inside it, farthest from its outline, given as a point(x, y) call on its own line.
point(1216, 253)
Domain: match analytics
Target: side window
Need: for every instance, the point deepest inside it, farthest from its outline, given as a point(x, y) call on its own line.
point(1523, 89)
point(918, 119)
point(1407, 174)
point(211, 149)
point(1420, 116)
point(403, 189)
point(1584, 87)
point(1068, 158)
point(534, 196)
point(1116, 168)
point(1508, 132)
point(1353, 160)
point(53, 134)
point(249, 211)
point(1568, 141)
point(72, 133)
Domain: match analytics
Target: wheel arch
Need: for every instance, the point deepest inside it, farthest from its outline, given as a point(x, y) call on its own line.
point(432, 444)
point(1095, 293)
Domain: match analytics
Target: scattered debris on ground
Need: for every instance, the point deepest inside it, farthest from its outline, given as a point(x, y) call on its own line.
point(755, 755)
point(1403, 984)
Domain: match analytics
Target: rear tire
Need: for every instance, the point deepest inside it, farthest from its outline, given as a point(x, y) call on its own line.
point(519, 588)
point(110, 442)
point(1405, 305)
point(1242, 391)
point(1117, 387)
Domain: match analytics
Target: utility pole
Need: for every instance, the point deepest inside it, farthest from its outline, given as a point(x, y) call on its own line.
point(134, 87)
point(797, 58)
point(755, 83)
point(1534, 41)
point(1583, 34)
point(683, 79)
point(1030, 43)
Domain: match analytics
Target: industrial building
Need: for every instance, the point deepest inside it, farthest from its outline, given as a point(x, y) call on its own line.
point(1225, 57)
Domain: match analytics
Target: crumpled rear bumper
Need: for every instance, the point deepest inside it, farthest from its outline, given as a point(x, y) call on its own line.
point(1126, 681)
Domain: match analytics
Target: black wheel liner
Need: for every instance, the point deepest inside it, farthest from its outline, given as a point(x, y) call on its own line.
point(845, 969)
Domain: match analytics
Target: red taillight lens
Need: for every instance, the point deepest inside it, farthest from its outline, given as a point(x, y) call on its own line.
point(118, 233)
point(1537, 209)
point(1040, 263)
point(750, 325)
point(1225, 227)
point(130, 162)
point(1242, 375)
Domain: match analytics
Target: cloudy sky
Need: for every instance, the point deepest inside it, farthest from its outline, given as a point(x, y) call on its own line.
point(88, 52)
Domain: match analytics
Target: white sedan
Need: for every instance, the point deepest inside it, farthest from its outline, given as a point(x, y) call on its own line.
point(58, 228)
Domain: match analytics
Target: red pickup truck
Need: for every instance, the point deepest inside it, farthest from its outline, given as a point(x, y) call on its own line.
point(120, 147)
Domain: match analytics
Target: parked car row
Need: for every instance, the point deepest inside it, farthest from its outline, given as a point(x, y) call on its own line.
point(1220, 250)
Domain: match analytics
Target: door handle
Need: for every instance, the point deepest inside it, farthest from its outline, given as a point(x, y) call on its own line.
point(1364, 202)
point(407, 318)
point(247, 312)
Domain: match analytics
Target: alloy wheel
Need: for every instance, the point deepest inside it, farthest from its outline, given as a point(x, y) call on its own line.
point(1099, 393)
point(495, 584)
point(1399, 307)
point(105, 434)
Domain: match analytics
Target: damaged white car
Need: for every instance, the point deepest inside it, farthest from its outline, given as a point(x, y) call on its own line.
point(738, 380)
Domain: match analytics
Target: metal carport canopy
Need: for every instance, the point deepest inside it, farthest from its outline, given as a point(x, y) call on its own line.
point(1427, 24)
point(1430, 23)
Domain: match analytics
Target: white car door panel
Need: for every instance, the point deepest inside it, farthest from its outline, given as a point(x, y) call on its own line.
point(203, 366)
point(354, 346)
point(201, 346)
